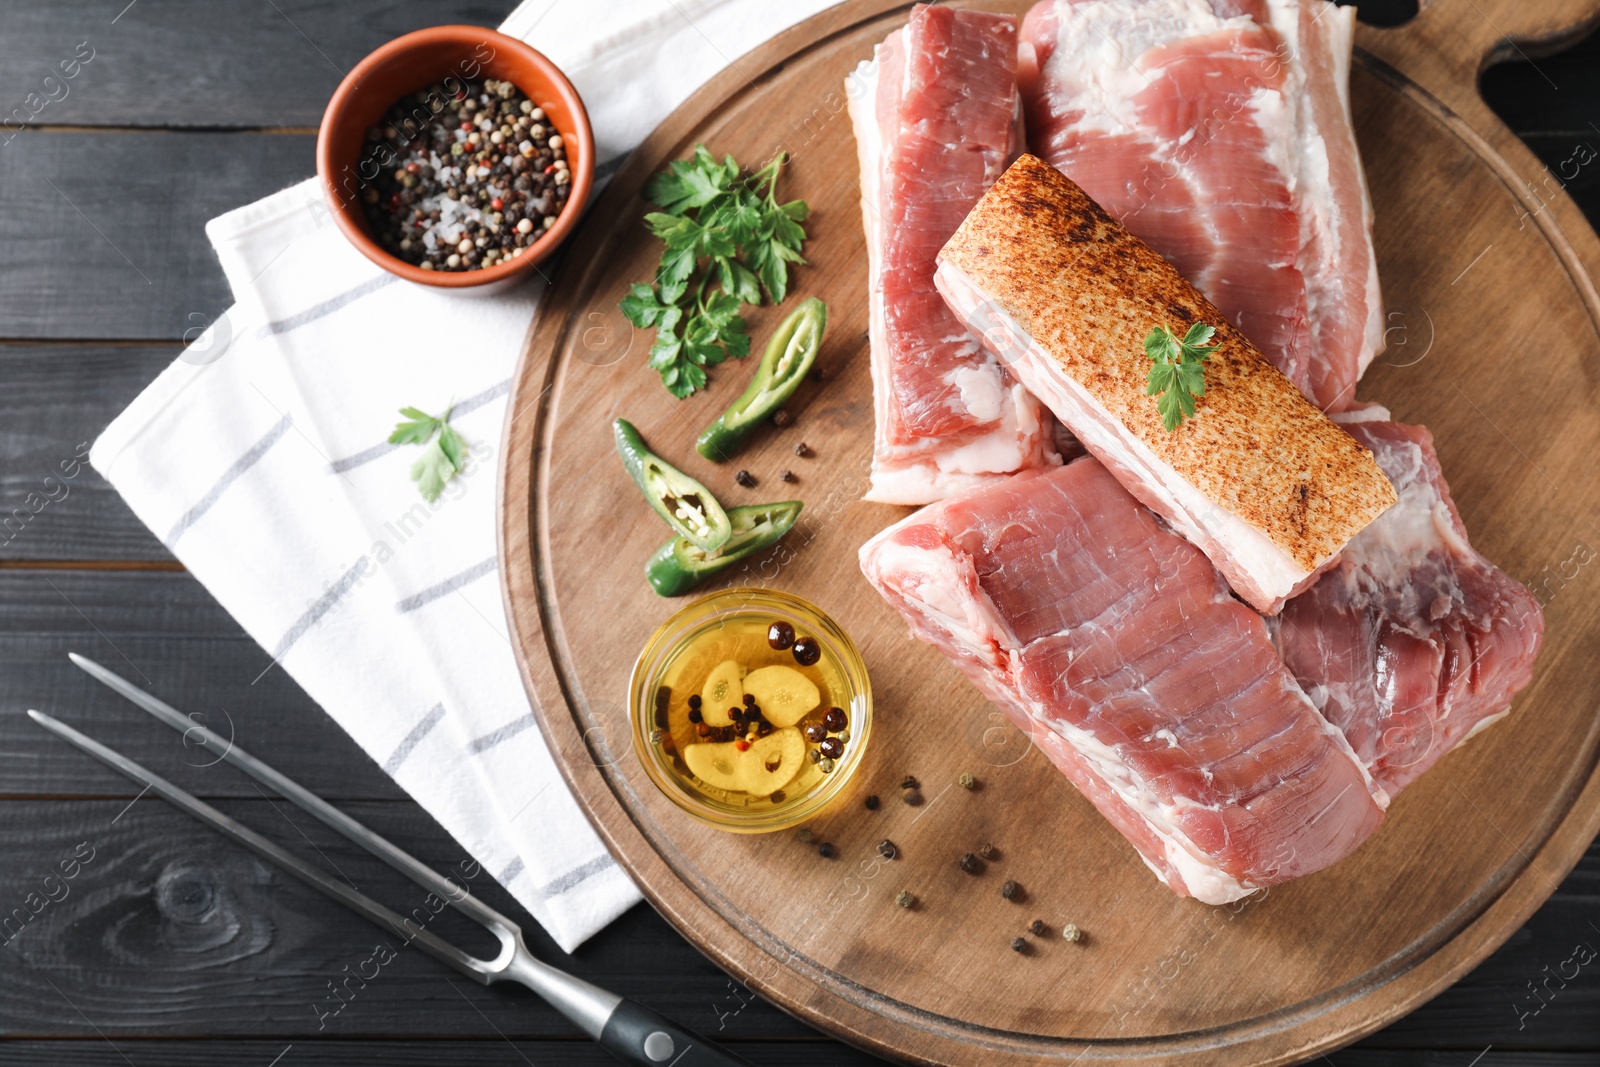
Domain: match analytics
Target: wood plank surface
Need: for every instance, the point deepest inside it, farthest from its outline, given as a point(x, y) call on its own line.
point(163, 631)
point(640, 952)
point(511, 1051)
point(56, 400)
point(104, 232)
point(492, 1051)
point(65, 274)
point(166, 929)
point(206, 63)
point(1540, 93)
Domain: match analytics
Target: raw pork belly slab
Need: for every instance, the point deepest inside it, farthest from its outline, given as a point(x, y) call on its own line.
point(1414, 641)
point(1263, 482)
point(935, 115)
point(1220, 133)
point(1114, 643)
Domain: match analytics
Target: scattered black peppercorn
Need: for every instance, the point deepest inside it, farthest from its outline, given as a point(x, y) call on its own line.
point(778, 796)
point(1039, 928)
point(872, 802)
point(970, 863)
point(988, 851)
point(746, 479)
point(802, 450)
point(806, 651)
point(832, 747)
point(887, 850)
point(788, 476)
point(825, 850)
point(1018, 945)
point(749, 700)
point(835, 720)
point(818, 374)
point(816, 733)
point(695, 716)
point(780, 635)
point(911, 796)
point(694, 701)
point(781, 418)
point(909, 782)
point(1011, 891)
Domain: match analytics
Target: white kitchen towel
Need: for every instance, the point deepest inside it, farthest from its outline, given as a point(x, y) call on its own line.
point(260, 459)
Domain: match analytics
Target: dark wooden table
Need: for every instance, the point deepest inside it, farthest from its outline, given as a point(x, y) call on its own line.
point(172, 947)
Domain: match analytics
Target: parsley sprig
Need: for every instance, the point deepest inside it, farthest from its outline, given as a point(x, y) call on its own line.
point(444, 456)
point(727, 240)
point(1178, 370)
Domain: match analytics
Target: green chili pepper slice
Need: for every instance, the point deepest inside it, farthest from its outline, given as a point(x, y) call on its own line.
point(679, 566)
point(784, 365)
point(688, 506)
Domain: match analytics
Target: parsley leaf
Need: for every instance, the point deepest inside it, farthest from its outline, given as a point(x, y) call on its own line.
point(421, 427)
point(726, 242)
point(431, 470)
point(642, 307)
point(444, 454)
point(1177, 370)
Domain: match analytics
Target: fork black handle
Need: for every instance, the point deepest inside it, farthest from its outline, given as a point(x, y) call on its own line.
point(636, 1035)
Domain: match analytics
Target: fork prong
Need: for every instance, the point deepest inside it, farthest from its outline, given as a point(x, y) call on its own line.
point(439, 949)
point(303, 798)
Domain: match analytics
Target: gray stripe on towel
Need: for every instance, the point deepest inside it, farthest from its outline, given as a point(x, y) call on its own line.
point(229, 476)
point(412, 739)
point(324, 604)
point(513, 869)
point(576, 876)
point(327, 307)
point(471, 403)
point(504, 733)
point(449, 585)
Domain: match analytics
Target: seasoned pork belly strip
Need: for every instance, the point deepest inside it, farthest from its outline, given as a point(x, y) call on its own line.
point(1414, 642)
point(1114, 644)
point(1220, 133)
point(935, 115)
point(1259, 479)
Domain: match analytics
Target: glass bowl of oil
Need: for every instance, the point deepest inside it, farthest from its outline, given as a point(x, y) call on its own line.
point(751, 709)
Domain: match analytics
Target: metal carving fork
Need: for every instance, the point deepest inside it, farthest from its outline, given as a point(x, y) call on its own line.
point(629, 1031)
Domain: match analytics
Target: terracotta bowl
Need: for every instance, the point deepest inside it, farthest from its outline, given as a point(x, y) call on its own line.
point(414, 62)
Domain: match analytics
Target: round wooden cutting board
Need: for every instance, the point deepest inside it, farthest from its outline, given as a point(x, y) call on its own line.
point(1492, 344)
